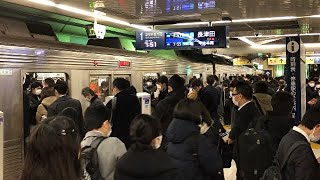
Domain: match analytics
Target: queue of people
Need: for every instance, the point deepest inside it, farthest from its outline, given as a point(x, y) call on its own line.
point(182, 140)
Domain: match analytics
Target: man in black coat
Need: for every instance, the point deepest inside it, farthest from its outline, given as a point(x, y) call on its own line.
point(126, 108)
point(164, 108)
point(279, 121)
point(163, 83)
point(301, 163)
point(64, 101)
point(209, 96)
point(247, 112)
point(91, 97)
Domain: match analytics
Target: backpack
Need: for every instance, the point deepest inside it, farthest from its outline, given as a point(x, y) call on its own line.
point(90, 162)
point(274, 172)
point(255, 151)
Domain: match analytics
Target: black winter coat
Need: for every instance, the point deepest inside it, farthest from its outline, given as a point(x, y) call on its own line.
point(301, 164)
point(64, 102)
point(164, 109)
point(146, 165)
point(34, 102)
point(95, 101)
point(205, 165)
point(127, 108)
point(244, 117)
point(210, 97)
point(277, 124)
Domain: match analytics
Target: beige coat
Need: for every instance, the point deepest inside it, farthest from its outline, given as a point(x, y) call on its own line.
point(42, 110)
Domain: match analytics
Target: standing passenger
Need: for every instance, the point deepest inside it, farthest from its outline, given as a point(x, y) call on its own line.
point(301, 164)
point(64, 101)
point(52, 151)
point(110, 149)
point(144, 161)
point(163, 83)
point(91, 97)
point(261, 98)
point(48, 82)
point(48, 97)
point(164, 108)
point(34, 100)
point(124, 107)
point(195, 156)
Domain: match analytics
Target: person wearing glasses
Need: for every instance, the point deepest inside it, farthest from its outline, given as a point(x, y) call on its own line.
point(98, 124)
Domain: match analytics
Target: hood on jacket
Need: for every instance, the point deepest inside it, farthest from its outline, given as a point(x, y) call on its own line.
point(179, 130)
point(147, 164)
point(264, 100)
point(48, 100)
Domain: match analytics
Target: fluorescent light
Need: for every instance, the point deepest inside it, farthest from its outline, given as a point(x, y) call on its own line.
point(265, 19)
point(312, 45)
point(75, 10)
point(314, 16)
point(90, 14)
point(221, 55)
point(191, 23)
point(247, 41)
point(44, 2)
point(220, 22)
point(269, 46)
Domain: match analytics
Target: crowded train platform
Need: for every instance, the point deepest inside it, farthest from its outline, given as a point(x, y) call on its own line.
point(159, 90)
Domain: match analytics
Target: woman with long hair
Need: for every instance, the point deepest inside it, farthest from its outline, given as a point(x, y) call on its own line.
point(52, 151)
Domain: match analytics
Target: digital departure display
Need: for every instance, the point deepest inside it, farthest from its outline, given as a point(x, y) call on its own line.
point(211, 37)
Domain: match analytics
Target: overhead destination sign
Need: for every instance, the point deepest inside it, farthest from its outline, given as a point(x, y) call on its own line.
point(276, 61)
point(242, 62)
point(195, 38)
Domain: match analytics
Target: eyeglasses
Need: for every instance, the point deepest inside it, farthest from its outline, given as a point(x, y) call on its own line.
point(235, 94)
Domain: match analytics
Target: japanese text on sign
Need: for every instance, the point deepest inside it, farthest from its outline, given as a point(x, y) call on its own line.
point(293, 83)
point(206, 34)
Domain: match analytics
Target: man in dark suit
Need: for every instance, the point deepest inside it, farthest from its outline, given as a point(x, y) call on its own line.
point(247, 111)
point(64, 101)
point(301, 163)
point(126, 108)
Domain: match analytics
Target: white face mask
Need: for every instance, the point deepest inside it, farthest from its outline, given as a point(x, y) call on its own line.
point(234, 101)
point(311, 84)
point(38, 92)
point(109, 133)
point(230, 94)
point(314, 138)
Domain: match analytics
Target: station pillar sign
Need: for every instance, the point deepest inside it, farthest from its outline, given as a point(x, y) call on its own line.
point(296, 75)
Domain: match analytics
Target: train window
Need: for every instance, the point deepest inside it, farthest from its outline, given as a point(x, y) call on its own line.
point(100, 84)
point(41, 76)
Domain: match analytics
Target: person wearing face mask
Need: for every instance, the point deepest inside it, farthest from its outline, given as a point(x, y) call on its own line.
point(34, 100)
point(111, 149)
point(311, 93)
point(301, 164)
point(163, 86)
point(194, 154)
point(91, 97)
point(247, 110)
point(144, 160)
point(125, 107)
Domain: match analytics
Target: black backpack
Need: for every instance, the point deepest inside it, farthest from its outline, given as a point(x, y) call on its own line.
point(274, 172)
point(255, 151)
point(90, 162)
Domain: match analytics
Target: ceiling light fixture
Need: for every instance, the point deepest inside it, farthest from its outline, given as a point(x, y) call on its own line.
point(222, 55)
point(191, 23)
point(44, 2)
point(265, 19)
point(248, 41)
point(220, 22)
point(90, 14)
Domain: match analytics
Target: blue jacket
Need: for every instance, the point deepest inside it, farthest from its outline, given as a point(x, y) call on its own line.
point(205, 165)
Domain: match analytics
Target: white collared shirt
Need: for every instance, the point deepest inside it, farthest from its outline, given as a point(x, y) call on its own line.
point(297, 129)
point(243, 105)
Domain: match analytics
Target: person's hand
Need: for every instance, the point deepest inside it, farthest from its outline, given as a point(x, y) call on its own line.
point(312, 101)
point(230, 141)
